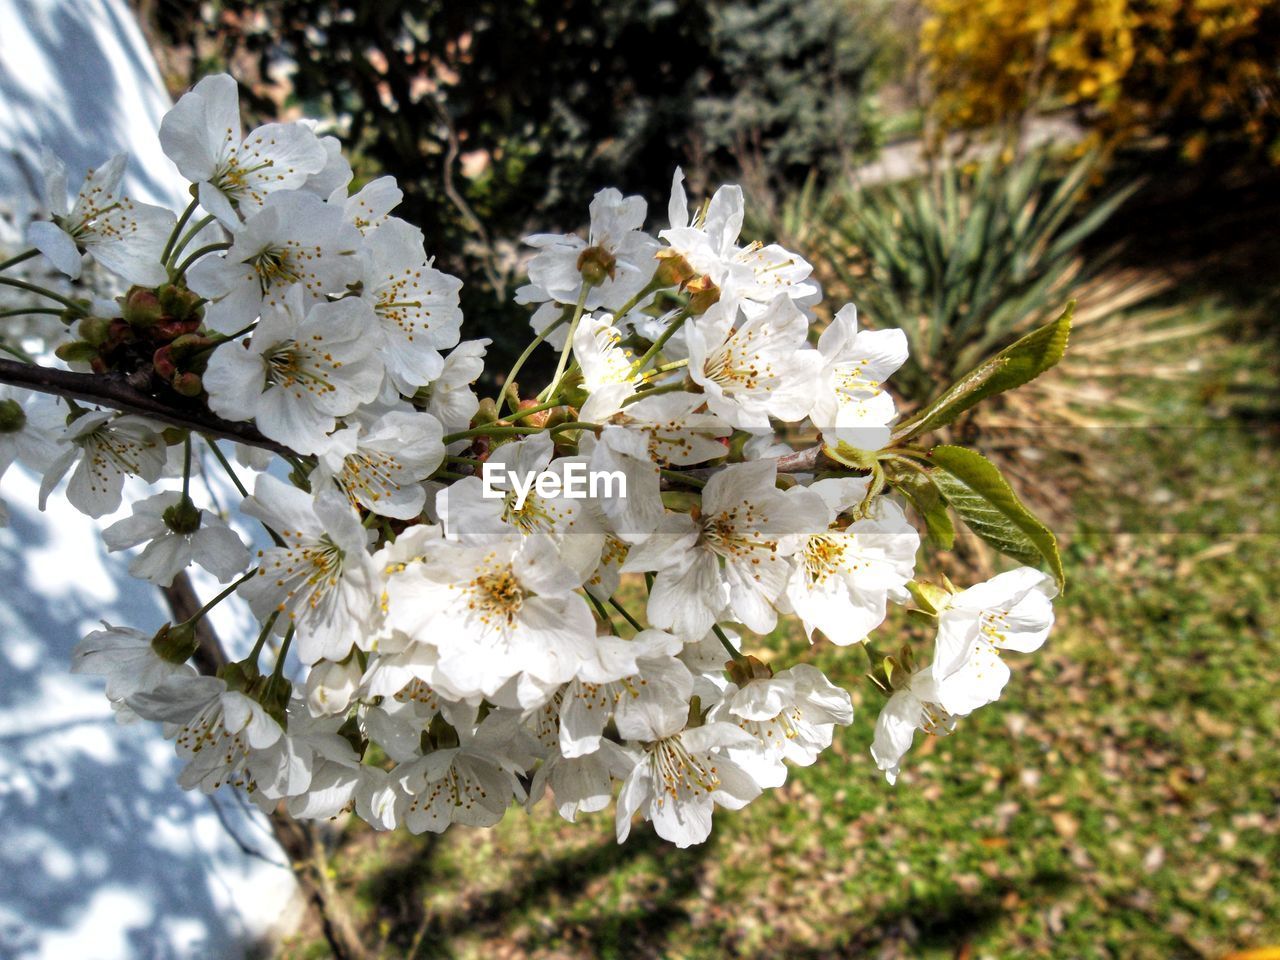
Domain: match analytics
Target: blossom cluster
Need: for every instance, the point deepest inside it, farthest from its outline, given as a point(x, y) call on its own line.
point(434, 654)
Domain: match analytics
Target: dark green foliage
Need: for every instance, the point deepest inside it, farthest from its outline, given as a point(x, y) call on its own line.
point(550, 100)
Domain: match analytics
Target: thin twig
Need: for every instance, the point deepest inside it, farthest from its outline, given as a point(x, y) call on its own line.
point(114, 392)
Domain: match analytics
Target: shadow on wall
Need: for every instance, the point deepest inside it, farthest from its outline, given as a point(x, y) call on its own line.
point(104, 856)
point(77, 77)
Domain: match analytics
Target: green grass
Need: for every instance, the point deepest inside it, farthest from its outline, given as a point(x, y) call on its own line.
point(1121, 800)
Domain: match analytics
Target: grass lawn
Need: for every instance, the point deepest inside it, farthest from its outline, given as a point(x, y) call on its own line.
point(1121, 800)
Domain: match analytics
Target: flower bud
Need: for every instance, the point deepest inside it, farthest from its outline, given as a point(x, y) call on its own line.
point(183, 517)
point(179, 303)
point(162, 362)
point(487, 412)
point(140, 307)
point(12, 417)
point(77, 351)
point(596, 264)
point(188, 384)
point(176, 644)
point(273, 693)
point(673, 269)
point(79, 308)
point(94, 330)
point(703, 295)
point(749, 668)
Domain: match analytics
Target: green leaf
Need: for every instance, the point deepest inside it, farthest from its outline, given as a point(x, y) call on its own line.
point(983, 499)
point(918, 487)
point(1013, 366)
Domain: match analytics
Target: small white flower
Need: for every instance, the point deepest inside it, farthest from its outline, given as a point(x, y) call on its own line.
point(128, 661)
point(105, 449)
point(322, 579)
point(792, 714)
point(759, 369)
point(499, 615)
point(679, 778)
point(225, 736)
point(472, 783)
point(381, 460)
point(756, 274)
point(913, 706)
point(298, 373)
point(202, 136)
point(171, 547)
point(416, 305)
point(730, 561)
point(296, 242)
point(123, 235)
point(639, 684)
point(843, 576)
point(29, 426)
point(852, 405)
point(606, 367)
point(450, 398)
point(648, 435)
point(623, 252)
point(332, 685)
point(1011, 611)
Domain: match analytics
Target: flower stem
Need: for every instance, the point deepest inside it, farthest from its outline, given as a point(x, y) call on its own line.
point(491, 430)
point(676, 323)
point(34, 288)
point(186, 467)
point(207, 248)
point(679, 477)
point(187, 238)
point(635, 624)
point(550, 392)
point(15, 260)
point(665, 388)
point(278, 669)
point(528, 352)
point(199, 614)
point(177, 229)
point(573, 425)
point(653, 286)
point(23, 311)
point(529, 411)
point(733, 651)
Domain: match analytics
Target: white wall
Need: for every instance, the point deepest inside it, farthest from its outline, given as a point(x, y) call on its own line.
point(102, 856)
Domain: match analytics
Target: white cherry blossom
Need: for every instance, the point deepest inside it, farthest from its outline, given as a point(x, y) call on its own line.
point(299, 371)
point(757, 369)
point(175, 538)
point(235, 174)
point(679, 778)
point(295, 244)
point(125, 236)
point(322, 580)
point(1011, 611)
point(101, 449)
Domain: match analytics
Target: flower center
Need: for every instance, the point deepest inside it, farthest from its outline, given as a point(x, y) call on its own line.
point(682, 776)
point(273, 265)
point(822, 556)
point(496, 595)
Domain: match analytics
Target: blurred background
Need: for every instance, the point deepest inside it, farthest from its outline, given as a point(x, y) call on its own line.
point(958, 169)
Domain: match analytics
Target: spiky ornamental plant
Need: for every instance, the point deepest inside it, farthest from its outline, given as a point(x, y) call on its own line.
point(443, 570)
point(965, 261)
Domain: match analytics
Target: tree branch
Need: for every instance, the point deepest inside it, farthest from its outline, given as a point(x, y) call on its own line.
point(114, 391)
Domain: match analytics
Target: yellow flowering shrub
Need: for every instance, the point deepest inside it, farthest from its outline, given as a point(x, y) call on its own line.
point(1194, 70)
